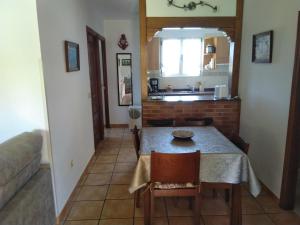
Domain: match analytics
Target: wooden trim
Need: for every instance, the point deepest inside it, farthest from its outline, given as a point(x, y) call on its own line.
point(237, 48)
point(119, 125)
point(104, 75)
point(231, 25)
point(65, 211)
point(143, 48)
point(269, 192)
point(290, 170)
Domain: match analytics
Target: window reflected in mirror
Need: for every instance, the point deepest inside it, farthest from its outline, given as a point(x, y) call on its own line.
point(124, 71)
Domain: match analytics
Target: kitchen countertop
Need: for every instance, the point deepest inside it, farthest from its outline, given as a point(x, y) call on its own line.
point(188, 98)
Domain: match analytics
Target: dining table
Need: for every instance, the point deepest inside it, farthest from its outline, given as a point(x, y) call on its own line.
point(222, 165)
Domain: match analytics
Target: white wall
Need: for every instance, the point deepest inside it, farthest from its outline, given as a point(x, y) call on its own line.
point(265, 88)
point(69, 107)
point(22, 97)
point(159, 8)
point(112, 32)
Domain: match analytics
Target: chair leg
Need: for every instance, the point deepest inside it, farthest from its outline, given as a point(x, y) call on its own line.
point(214, 191)
point(227, 195)
point(151, 207)
point(138, 198)
point(197, 209)
point(147, 208)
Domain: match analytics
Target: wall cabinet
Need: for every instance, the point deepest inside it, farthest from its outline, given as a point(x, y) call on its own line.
point(153, 49)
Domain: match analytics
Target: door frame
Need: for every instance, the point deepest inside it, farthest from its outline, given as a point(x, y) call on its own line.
point(104, 72)
point(292, 152)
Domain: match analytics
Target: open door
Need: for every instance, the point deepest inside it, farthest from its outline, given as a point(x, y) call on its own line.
point(96, 85)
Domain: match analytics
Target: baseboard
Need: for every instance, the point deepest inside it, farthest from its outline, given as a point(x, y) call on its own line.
point(268, 191)
point(68, 205)
point(119, 125)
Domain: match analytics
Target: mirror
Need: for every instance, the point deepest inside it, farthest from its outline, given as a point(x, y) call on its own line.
point(124, 79)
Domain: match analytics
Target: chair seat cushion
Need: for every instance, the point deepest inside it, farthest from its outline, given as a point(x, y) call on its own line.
point(168, 186)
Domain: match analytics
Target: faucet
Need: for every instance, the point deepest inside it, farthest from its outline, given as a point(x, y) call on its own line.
point(192, 88)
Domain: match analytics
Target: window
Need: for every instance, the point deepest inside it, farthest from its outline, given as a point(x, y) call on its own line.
point(181, 57)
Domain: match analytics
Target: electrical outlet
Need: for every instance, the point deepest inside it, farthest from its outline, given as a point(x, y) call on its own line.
point(72, 163)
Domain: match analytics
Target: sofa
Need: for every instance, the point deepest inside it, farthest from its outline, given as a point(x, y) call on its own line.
point(26, 195)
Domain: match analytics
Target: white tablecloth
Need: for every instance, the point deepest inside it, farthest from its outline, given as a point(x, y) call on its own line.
point(221, 161)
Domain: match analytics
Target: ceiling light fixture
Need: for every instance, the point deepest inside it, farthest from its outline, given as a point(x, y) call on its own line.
point(192, 5)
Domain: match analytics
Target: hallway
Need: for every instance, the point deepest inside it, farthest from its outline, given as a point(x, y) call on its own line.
point(102, 196)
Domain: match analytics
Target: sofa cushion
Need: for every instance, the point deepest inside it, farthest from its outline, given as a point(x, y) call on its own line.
point(19, 161)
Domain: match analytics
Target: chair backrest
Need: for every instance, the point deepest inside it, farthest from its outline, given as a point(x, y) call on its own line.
point(206, 121)
point(161, 123)
point(136, 140)
point(175, 168)
point(240, 143)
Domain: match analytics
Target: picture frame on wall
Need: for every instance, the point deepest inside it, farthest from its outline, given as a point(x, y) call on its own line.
point(72, 56)
point(262, 47)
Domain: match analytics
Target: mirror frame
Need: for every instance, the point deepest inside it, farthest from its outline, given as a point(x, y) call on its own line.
point(118, 78)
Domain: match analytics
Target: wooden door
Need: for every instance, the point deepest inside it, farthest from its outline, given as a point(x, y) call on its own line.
point(96, 92)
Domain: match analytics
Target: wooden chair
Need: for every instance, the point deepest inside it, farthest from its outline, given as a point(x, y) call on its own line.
point(136, 142)
point(206, 121)
point(240, 143)
point(161, 123)
point(174, 175)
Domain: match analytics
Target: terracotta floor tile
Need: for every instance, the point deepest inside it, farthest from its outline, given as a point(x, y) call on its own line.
point(98, 179)
point(116, 222)
point(106, 159)
point(214, 206)
point(86, 210)
point(159, 208)
point(125, 167)
point(269, 204)
point(102, 168)
point(127, 157)
point(287, 218)
point(118, 192)
point(92, 193)
point(121, 178)
point(257, 220)
point(156, 221)
point(250, 206)
point(82, 222)
point(216, 220)
point(183, 220)
point(178, 207)
point(118, 209)
point(109, 151)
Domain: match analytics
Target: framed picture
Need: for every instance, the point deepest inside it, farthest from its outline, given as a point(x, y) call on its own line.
point(262, 47)
point(72, 56)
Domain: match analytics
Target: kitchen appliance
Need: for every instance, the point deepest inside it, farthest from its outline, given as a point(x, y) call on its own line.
point(154, 84)
point(221, 91)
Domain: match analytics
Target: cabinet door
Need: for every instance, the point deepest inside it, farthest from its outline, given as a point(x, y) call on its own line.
point(222, 56)
point(154, 54)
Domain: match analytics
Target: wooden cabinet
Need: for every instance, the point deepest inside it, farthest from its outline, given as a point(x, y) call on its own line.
point(153, 54)
point(221, 56)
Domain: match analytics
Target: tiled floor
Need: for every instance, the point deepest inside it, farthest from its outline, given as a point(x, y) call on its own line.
point(102, 197)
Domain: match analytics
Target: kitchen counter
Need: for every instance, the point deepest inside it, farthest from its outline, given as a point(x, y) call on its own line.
point(187, 98)
point(179, 93)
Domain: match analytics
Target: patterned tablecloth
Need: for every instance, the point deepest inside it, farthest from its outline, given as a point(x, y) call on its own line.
point(221, 161)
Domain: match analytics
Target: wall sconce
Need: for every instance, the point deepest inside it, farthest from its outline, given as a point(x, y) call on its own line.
point(123, 43)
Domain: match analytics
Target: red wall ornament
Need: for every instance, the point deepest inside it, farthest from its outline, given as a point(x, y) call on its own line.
point(123, 44)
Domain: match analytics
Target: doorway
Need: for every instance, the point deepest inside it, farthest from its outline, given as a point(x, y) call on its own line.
point(98, 81)
point(292, 153)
